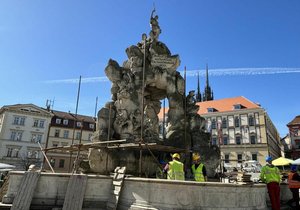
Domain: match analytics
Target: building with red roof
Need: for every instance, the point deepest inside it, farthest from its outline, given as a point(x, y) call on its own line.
point(294, 131)
point(241, 128)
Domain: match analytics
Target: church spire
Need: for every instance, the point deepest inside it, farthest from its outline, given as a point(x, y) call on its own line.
point(198, 95)
point(208, 94)
point(207, 83)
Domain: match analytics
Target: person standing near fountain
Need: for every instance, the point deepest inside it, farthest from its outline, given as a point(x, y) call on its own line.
point(174, 168)
point(198, 169)
point(270, 174)
point(294, 185)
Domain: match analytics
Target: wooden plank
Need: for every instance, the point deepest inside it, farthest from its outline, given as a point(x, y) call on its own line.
point(87, 145)
point(118, 178)
point(75, 192)
point(25, 192)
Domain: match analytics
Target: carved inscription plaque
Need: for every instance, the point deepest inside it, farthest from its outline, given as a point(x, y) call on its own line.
point(164, 61)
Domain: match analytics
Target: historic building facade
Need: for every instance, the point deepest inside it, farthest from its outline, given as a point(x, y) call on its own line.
point(67, 129)
point(294, 132)
point(242, 129)
point(22, 127)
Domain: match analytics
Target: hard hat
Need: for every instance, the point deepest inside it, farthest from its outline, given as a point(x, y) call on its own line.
point(176, 155)
point(268, 158)
point(293, 167)
point(196, 156)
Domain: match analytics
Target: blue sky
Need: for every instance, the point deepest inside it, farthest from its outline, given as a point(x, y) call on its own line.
point(253, 45)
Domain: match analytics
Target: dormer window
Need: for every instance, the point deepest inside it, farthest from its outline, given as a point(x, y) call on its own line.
point(58, 121)
point(210, 109)
point(91, 126)
point(237, 106)
point(65, 122)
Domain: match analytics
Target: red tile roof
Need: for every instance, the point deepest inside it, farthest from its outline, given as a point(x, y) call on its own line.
point(295, 121)
point(226, 104)
point(71, 116)
point(222, 105)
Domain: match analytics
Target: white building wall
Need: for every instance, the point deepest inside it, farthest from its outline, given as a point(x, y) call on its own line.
point(244, 120)
point(231, 136)
point(230, 121)
point(17, 150)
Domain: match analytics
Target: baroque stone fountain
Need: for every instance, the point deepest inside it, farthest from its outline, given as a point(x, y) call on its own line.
point(138, 85)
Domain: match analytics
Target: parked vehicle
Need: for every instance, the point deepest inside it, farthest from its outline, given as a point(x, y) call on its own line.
point(251, 166)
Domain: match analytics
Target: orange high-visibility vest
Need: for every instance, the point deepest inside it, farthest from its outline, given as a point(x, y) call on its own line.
point(293, 183)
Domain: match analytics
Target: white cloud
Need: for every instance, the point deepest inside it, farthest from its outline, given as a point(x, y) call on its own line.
point(202, 72)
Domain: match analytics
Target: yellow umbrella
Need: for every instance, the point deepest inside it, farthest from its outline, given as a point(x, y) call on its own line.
point(282, 161)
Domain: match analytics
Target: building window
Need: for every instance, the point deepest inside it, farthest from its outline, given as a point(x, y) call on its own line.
point(225, 140)
point(66, 134)
point(33, 154)
point(39, 138)
point(16, 121)
point(251, 120)
point(90, 136)
point(65, 122)
point(13, 135)
point(16, 135)
point(238, 140)
point(52, 162)
point(35, 123)
point(55, 144)
point(61, 163)
point(226, 158)
point(16, 151)
point(19, 120)
point(237, 106)
point(224, 123)
point(42, 123)
point(9, 152)
point(78, 135)
point(237, 122)
point(254, 156)
point(38, 123)
point(56, 134)
point(252, 139)
point(210, 109)
point(22, 120)
point(36, 138)
point(58, 121)
point(297, 144)
point(214, 141)
point(78, 124)
point(213, 124)
point(239, 158)
point(92, 126)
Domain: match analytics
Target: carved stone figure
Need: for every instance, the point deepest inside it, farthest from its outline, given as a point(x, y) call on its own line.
point(146, 77)
point(154, 33)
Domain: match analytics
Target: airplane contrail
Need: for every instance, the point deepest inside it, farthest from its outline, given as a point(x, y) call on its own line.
point(242, 71)
point(83, 80)
point(202, 73)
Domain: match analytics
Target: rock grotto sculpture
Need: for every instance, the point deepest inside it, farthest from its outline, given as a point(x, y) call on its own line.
point(151, 65)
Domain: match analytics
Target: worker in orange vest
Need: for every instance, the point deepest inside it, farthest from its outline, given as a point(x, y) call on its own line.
point(294, 185)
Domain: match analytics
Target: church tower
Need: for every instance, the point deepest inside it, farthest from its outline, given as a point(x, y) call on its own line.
point(208, 94)
point(198, 95)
